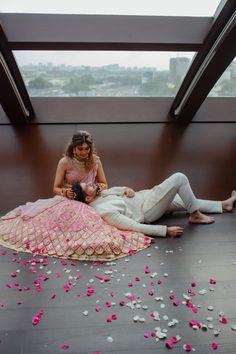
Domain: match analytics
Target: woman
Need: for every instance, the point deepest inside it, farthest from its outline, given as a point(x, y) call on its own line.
point(62, 227)
point(80, 164)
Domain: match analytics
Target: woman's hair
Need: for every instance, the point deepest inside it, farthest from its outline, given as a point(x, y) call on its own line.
point(78, 139)
point(79, 194)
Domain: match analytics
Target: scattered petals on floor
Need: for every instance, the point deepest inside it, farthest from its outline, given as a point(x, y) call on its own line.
point(110, 305)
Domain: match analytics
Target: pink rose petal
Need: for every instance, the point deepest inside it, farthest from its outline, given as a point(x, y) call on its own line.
point(146, 335)
point(223, 320)
point(147, 270)
point(169, 345)
point(35, 320)
point(187, 347)
point(176, 303)
point(214, 346)
point(64, 263)
point(212, 281)
point(65, 346)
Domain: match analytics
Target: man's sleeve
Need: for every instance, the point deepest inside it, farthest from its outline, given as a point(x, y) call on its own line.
point(113, 191)
point(125, 223)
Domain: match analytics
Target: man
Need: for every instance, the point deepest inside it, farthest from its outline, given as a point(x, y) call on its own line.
point(129, 210)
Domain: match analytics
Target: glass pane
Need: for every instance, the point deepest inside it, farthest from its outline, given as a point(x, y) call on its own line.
point(114, 7)
point(102, 73)
point(226, 85)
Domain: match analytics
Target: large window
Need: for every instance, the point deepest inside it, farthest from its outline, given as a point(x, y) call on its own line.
point(102, 73)
point(226, 85)
point(114, 7)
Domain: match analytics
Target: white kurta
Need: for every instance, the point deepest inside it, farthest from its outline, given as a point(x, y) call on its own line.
point(149, 205)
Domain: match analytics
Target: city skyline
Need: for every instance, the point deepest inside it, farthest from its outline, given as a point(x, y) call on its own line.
point(158, 60)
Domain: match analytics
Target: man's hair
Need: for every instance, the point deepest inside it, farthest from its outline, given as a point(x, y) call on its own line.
point(79, 194)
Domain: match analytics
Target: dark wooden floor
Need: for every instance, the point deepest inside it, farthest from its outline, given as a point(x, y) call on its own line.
point(204, 252)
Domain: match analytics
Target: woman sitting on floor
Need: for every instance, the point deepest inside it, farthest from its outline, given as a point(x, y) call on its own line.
point(63, 227)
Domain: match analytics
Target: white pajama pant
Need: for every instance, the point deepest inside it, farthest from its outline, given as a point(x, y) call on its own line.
point(175, 194)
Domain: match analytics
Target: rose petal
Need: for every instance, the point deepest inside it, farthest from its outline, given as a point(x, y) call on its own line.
point(223, 320)
point(65, 346)
point(169, 345)
point(214, 346)
point(187, 347)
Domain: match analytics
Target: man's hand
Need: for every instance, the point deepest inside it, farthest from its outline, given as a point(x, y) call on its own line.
point(174, 231)
point(129, 192)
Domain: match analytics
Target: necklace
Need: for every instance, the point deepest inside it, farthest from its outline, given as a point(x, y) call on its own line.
point(78, 162)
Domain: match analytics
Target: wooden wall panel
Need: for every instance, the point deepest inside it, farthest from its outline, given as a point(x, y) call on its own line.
point(74, 110)
point(138, 155)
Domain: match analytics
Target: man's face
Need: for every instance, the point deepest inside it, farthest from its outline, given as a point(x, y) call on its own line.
point(91, 191)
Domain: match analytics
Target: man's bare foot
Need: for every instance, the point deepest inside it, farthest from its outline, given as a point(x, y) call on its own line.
point(228, 204)
point(198, 218)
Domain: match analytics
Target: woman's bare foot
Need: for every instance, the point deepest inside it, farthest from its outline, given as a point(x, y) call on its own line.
point(228, 204)
point(198, 218)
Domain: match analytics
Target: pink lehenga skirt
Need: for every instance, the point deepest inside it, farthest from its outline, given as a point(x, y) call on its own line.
point(59, 227)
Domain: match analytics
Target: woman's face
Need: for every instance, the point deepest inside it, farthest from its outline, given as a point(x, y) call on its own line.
point(82, 151)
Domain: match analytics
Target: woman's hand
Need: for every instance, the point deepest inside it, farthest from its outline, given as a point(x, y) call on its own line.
point(129, 192)
point(174, 231)
point(68, 193)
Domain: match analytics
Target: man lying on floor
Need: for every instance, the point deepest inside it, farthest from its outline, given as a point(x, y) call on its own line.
point(130, 210)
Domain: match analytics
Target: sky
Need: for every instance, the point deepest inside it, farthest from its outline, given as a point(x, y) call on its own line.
point(128, 7)
point(116, 7)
